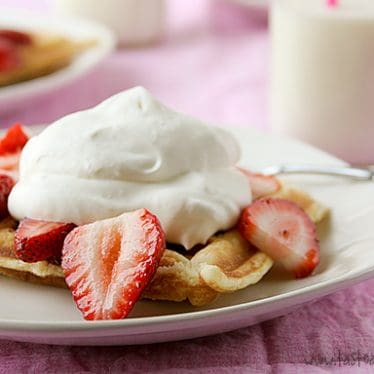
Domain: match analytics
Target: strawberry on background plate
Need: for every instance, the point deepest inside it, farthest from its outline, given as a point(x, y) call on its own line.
point(10, 40)
point(108, 263)
point(15, 37)
point(40, 240)
point(282, 230)
point(261, 185)
point(8, 55)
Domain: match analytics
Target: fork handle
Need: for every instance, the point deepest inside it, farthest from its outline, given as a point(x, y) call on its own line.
point(340, 171)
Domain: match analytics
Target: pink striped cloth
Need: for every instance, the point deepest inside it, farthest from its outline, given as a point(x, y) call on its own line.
point(213, 65)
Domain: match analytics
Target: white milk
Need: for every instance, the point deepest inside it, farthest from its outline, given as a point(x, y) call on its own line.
point(323, 74)
point(134, 21)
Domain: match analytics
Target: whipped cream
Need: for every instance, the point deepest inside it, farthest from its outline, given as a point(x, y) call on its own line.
point(132, 152)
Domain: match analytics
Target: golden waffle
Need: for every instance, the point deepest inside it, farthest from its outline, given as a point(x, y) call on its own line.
point(226, 264)
point(316, 211)
point(46, 54)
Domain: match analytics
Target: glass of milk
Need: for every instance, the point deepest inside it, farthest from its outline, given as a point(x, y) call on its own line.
point(135, 22)
point(322, 68)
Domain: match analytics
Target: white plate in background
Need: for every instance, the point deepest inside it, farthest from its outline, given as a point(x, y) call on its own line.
point(43, 314)
point(16, 95)
point(256, 3)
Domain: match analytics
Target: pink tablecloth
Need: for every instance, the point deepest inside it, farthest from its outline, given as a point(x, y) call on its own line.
point(213, 66)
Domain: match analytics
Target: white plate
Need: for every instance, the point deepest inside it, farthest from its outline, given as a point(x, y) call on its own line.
point(18, 94)
point(48, 315)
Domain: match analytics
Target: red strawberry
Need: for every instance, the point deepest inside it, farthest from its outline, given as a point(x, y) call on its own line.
point(16, 37)
point(13, 140)
point(283, 231)
point(261, 185)
point(40, 240)
point(9, 165)
point(8, 55)
point(108, 263)
point(11, 145)
point(6, 185)
point(9, 161)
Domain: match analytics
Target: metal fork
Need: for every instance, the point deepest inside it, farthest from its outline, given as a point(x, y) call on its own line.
point(352, 172)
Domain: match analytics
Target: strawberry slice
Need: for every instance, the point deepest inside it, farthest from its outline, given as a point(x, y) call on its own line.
point(16, 37)
point(6, 185)
point(11, 145)
point(261, 185)
point(283, 231)
point(40, 240)
point(108, 263)
point(9, 161)
point(9, 165)
point(13, 140)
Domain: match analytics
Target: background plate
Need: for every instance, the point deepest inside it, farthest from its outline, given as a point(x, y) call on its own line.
point(16, 95)
point(254, 3)
point(47, 315)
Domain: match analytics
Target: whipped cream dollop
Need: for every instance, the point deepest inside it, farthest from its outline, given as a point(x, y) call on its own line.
point(132, 152)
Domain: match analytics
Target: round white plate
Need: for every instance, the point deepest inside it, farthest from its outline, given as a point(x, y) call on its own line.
point(47, 315)
point(13, 96)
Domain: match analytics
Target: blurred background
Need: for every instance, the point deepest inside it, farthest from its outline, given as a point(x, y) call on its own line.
point(295, 67)
point(208, 59)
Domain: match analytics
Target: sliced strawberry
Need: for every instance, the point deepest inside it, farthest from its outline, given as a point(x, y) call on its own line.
point(40, 240)
point(13, 140)
point(9, 161)
point(8, 55)
point(283, 231)
point(16, 37)
point(261, 185)
point(6, 185)
point(108, 263)
point(11, 145)
point(9, 165)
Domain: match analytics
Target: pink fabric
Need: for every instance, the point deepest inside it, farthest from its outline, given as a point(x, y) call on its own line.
point(213, 65)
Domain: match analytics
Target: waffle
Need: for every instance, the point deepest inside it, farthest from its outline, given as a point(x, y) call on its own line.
point(46, 54)
point(227, 263)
